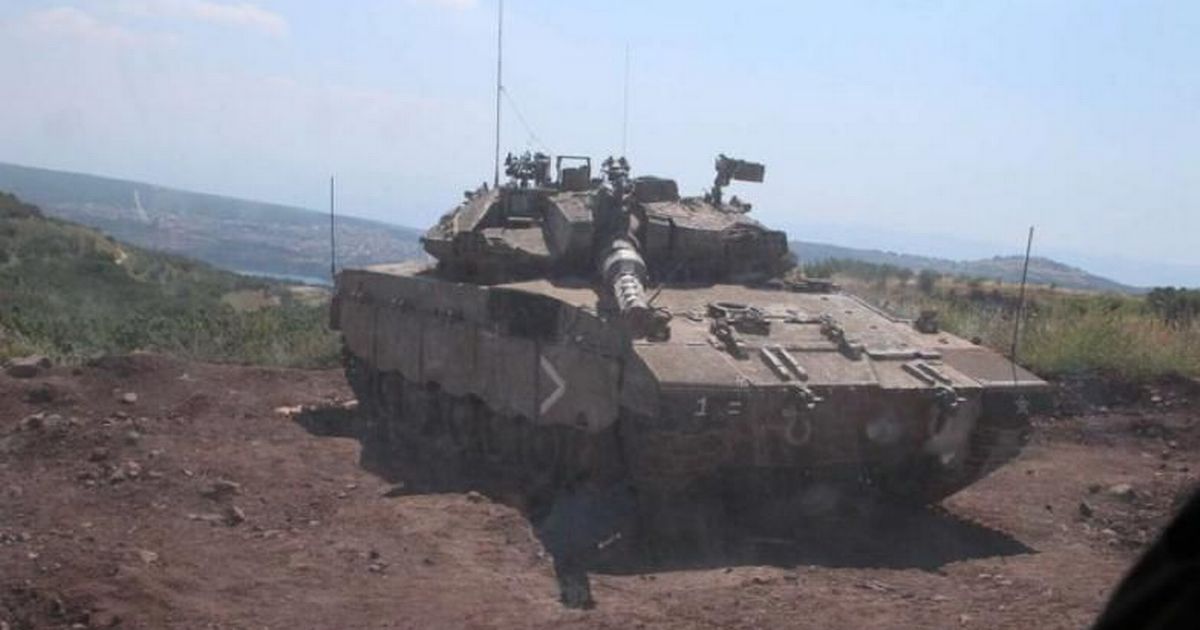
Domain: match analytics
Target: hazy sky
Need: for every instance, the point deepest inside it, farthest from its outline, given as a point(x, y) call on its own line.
point(941, 128)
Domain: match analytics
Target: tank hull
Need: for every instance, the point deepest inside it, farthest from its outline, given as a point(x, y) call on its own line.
point(537, 382)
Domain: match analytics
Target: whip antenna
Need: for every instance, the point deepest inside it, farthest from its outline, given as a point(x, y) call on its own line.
point(625, 105)
point(1020, 306)
point(332, 241)
point(499, 88)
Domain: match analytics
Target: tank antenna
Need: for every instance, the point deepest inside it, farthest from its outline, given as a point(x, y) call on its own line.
point(332, 242)
point(1020, 305)
point(625, 105)
point(499, 89)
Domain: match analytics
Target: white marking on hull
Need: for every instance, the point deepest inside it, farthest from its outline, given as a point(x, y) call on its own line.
point(560, 386)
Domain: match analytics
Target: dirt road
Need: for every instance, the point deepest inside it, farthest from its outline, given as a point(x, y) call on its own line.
point(145, 492)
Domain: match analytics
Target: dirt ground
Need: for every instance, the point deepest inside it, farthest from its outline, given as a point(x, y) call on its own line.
point(145, 492)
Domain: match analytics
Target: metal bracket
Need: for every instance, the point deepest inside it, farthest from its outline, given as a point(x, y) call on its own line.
point(783, 363)
point(835, 333)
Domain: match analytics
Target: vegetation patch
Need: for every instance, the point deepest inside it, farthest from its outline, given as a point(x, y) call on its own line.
point(1063, 331)
point(73, 293)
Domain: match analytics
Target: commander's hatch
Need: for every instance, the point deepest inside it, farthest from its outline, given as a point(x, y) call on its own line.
point(576, 174)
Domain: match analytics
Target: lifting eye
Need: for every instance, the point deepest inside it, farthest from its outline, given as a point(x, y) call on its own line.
point(798, 427)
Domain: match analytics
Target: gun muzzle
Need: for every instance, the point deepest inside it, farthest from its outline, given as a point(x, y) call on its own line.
point(624, 270)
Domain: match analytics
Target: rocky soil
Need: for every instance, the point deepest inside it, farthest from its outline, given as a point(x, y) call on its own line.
point(144, 492)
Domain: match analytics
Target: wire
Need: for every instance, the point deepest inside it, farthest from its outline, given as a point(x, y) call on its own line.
point(533, 137)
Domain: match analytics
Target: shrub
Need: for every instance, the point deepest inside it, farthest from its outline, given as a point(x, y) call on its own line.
point(64, 294)
point(927, 280)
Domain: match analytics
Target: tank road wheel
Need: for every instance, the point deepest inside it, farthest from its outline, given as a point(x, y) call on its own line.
point(684, 523)
point(358, 376)
point(924, 480)
point(501, 440)
point(390, 420)
point(431, 416)
point(460, 423)
point(912, 483)
point(541, 456)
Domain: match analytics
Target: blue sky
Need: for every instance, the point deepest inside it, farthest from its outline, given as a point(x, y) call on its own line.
point(940, 128)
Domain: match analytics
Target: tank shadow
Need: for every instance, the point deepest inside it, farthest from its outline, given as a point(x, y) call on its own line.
point(329, 421)
point(873, 534)
point(412, 470)
point(584, 532)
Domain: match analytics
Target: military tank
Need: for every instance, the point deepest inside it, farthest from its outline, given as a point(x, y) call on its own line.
point(583, 331)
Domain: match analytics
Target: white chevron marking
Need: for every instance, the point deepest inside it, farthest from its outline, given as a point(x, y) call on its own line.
point(560, 386)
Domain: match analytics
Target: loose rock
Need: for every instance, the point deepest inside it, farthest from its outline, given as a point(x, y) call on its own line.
point(1122, 491)
point(104, 619)
point(233, 516)
point(129, 398)
point(40, 395)
point(34, 422)
point(126, 471)
point(220, 489)
point(27, 367)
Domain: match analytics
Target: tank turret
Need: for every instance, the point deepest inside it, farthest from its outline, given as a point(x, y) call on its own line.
point(536, 225)
point(637, 230)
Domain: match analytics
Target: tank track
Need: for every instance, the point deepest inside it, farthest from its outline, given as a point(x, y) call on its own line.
point(924, 482)
point(462, 442)
point(574, 486)
point(570, 484)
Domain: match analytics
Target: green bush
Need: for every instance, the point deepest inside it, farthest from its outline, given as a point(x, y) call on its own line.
point(73, 293)
point(927, 280)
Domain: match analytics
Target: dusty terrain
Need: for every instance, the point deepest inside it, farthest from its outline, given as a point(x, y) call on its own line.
point(194, 503)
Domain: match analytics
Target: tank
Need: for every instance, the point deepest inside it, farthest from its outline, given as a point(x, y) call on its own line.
point(601, 335)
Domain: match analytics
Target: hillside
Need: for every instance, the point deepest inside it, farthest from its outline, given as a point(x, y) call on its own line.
point(1008, 268)
point(236, 234)
point(71, 292)
point(284, 241)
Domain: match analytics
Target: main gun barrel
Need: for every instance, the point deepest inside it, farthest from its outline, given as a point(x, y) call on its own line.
point(624, 272)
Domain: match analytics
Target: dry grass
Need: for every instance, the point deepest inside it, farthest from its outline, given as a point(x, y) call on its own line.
point(1063, 332)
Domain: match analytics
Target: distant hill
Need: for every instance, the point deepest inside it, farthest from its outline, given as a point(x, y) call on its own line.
point(69, 291)
point(290, 242)
point(1007, 268)
point(236, 234)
